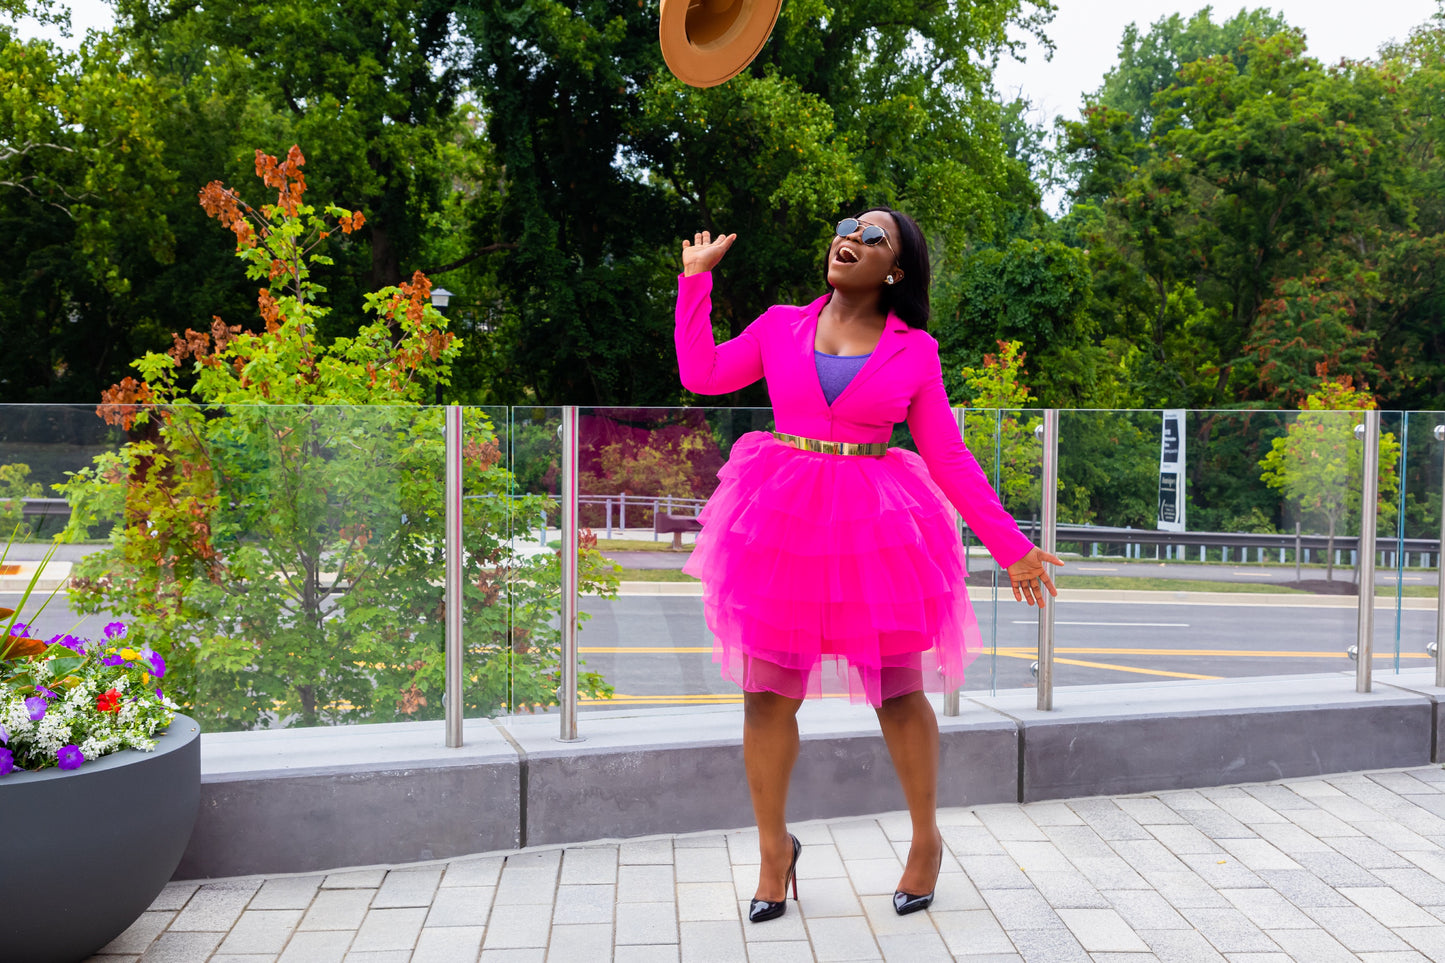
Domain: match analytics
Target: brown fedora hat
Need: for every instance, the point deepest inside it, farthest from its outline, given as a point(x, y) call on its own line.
point(709, 42)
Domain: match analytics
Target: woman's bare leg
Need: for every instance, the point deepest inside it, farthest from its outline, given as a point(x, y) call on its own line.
point(770, 748)
point(911, 731)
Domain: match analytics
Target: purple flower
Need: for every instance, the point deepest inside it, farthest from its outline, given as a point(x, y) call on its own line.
point(158, 664)
point(48, 693)
point(69, 757)
point(19, 628)
point(159, 696)
point(4, 734)
point(115, 659)
point(7, 762)
point(35, 705)
point(115, 630)
point(70, 642)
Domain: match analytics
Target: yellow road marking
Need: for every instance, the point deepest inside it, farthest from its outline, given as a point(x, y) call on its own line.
point(1130, 668)
point(1019, 651)
point(653, 649)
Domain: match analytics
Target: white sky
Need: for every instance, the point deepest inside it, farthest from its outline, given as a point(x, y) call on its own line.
point(1086, 37)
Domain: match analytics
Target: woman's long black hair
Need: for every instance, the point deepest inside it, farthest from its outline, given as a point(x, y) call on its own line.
point(909, 297)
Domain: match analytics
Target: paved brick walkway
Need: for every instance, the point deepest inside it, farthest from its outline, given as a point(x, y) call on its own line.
point(1342, 868)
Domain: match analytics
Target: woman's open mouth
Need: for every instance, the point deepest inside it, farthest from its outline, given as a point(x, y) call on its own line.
point(845, 256)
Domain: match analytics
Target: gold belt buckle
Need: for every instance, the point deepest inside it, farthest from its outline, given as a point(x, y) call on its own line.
point(872, 449)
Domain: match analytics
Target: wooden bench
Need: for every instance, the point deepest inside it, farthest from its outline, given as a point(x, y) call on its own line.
point(663, 523)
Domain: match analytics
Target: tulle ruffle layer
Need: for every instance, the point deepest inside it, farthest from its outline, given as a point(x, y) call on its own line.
point(833, 573)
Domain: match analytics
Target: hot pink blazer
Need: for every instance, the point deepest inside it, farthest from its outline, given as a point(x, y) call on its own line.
point(901, 381)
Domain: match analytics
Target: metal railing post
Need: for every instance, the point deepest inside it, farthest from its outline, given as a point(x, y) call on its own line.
point(1369, 496)
point(1440, 591)
point(567, 694)
point(453, 590)
point(1049, 530)
point(950, 698)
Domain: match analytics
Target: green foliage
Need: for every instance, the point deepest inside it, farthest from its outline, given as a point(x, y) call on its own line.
point(999, 429)
point(281, 505)
point(609, 160)
point(1317, 464)
point(1253, 218)
point(1149, 63)
point(1029, 291)
point(84, 189)
point(14, 486)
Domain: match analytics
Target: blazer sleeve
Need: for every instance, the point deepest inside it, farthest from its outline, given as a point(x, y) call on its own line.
point(956, 471)
point(708, 368)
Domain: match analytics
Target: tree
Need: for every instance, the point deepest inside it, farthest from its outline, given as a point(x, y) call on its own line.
point(1261, 168)
point(1031, 292)
point(278, 509)
point(84, 189)
point(1317, 464)
point(1149, 63)
point(996, 426)
point(609, 160)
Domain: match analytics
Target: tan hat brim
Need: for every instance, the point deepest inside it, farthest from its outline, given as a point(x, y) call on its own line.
point(704, 59)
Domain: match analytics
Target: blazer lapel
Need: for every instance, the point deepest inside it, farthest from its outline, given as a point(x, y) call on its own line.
point(888, 345)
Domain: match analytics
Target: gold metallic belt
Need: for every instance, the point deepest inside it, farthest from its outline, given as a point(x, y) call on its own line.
point(874, 449)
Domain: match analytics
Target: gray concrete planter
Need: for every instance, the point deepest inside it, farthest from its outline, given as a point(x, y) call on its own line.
point(86, 852)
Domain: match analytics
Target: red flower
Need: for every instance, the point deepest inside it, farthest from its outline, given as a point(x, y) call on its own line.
point(108, 701)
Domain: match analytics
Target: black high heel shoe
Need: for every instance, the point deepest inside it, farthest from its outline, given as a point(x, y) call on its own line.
point(763, 909)
point(905, 903)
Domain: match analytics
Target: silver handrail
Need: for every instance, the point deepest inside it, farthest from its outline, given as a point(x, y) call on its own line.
point(1050, 513)
point(1369, 497)
point(453, 590)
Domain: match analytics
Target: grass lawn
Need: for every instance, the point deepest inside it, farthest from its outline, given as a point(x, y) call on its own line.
point(654, 575)
point(605, 545)
point(1147, 584)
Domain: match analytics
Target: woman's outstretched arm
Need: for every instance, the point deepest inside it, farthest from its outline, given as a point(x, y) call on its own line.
point(957, 472)
point(706, 367)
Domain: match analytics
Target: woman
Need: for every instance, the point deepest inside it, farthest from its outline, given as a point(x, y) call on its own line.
point(827, 556)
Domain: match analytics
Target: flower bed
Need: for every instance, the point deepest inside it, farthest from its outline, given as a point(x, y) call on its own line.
point(69, 700)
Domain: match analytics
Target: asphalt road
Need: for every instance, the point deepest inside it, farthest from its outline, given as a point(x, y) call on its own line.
point(656, 649)
point(1146, 568)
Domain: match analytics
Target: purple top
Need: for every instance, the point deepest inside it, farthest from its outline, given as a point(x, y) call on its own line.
point(836, 370)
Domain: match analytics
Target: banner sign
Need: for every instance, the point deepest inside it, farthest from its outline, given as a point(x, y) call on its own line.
point(1171, 472)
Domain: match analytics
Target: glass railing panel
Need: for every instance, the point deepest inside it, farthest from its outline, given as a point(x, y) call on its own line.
point(645, 473)
point(41, 447)
point(1409, 569)
point(285, 561)
point(1015, 468)
point(1256, 573)
point(530, 642)
point(490, 557)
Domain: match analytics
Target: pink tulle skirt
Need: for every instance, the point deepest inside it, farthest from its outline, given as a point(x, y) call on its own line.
point(832, 574)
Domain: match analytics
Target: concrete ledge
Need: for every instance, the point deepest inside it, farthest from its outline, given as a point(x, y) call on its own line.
point(297, 800)
point(1111, 739)
point(1420, 682)
point(316, 799)
point(680, 770)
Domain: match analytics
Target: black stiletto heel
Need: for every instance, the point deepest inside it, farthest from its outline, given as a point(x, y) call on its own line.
point(762, 909)
point(905, 903)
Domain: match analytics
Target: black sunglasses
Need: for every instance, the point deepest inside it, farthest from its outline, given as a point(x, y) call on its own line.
point(871, 235)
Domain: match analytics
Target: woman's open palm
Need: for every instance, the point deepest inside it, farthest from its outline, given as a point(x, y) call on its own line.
point(703, 253)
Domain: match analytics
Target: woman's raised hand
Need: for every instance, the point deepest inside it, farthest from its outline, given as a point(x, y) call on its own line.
point(702, 253)
point(1029, 576)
